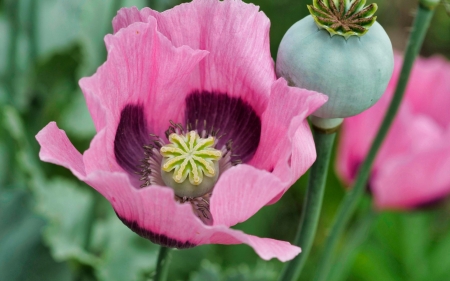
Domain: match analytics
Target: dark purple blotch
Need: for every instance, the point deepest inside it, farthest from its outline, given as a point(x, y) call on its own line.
point(131, 135)
point(232, 116)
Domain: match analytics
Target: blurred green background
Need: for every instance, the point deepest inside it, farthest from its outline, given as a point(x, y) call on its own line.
point(49, 228)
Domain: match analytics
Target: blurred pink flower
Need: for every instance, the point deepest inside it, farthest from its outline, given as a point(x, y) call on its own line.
point(413, 165)
point(203, 66)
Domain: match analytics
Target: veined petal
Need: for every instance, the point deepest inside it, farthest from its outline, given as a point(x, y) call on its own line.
point(127, 16)
point(56, 148)
point(241, 192)
point(153, 213)
point(266, 248)
point(235, 33)
point(143, 68)
point(286, 145)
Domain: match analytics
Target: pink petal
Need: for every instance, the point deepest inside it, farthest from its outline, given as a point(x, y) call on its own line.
point(56, 148)
point(142, 65)
point(286, 146)
point(98, 157)
point(266, 248)
point(235, 33)
point(356, 136)
point(153, 209)
point(354, 146)
point(416, 179)
point(153, 212)
point(143, 68)
point(240, 192)
point(430, 78)
point(411, 167)
point(128, 16)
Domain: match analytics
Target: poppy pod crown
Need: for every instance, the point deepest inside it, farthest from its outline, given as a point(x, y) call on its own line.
point(194, 132)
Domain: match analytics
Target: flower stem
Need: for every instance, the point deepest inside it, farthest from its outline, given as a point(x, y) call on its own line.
point(312, 204)
point(351, 200)
point(162, 265)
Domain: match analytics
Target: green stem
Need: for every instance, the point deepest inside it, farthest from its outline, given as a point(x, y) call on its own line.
point(162, 265)
point(312, 204)
point(351, 200)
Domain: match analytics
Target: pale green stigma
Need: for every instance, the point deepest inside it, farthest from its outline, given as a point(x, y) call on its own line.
point(190, 164)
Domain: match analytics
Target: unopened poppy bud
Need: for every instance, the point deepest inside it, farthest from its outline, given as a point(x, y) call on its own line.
point(341, 51)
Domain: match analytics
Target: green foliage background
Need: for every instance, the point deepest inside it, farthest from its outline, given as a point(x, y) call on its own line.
point(49, 228)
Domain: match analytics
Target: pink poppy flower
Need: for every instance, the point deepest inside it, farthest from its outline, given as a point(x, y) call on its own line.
point(194, 132)
point(412, 167)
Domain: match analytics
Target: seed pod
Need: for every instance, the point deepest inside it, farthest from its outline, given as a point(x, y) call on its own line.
point(341, 51)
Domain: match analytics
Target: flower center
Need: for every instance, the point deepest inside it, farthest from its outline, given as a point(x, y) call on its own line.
point(190, 164)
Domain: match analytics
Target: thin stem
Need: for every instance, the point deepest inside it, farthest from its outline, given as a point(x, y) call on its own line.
point(312, 204)
point(351, 200)
point(162, 265)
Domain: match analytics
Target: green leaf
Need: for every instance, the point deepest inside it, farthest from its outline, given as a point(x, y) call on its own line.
point(439, 254)
point(125, 255)
point(76, 120)
point(67, 208)
point(94, 26)
point(416, 238)
point(374, 263)
point(388, 230)
point(58, 24)
point(4, 42)
point(208, 271)
point(22, 255)
point(263, 271)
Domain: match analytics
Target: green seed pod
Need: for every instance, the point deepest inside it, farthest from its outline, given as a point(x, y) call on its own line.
point(341, 51)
